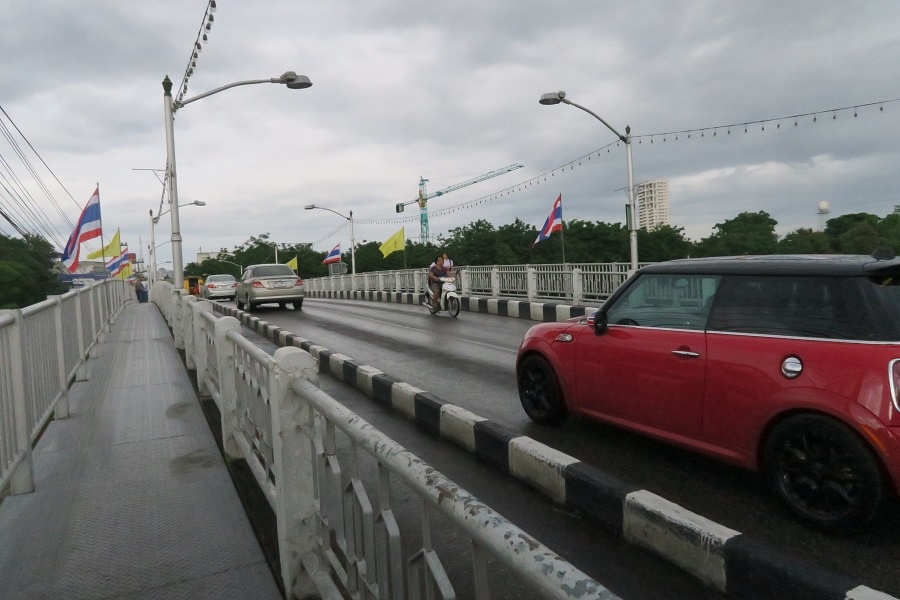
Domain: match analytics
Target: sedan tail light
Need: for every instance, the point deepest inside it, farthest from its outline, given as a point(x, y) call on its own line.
point(298, 282)
point(894, 373)
point(258, 284)
point(211, 286)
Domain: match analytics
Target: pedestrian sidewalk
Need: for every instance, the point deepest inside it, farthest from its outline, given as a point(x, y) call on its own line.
point(132, 497)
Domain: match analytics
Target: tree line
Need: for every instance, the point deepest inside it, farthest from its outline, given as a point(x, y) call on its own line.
point(27, 264)
point(482, 243)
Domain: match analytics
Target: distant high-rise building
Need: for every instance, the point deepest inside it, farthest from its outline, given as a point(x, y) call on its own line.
point(653, 201)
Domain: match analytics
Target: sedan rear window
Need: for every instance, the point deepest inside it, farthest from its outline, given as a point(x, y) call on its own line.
point(273, 271)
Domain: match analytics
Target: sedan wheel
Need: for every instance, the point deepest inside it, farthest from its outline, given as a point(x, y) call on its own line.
point(240, 305)
point(539, 391)
point(824, 472)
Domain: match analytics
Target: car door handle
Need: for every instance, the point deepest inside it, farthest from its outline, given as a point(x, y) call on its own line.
point(686, 353)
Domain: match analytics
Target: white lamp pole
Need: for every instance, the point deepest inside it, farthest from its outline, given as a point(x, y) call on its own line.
point(352, 239)
point(153, 222)
point(152, 248)
point(289, 78)
point(557, 97)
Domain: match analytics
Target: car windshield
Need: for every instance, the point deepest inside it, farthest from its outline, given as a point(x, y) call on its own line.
point(214, 278)
point(273, 271)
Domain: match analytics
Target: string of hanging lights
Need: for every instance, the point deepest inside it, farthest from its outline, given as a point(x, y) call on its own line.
point(202, 38)
point(749, 126)
point(325, 237)
point(677, 135)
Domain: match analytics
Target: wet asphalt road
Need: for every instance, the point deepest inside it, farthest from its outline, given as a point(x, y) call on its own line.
point(469, 362)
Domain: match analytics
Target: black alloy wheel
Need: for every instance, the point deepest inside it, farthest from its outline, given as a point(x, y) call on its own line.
point(539, 391)
point(824, 472)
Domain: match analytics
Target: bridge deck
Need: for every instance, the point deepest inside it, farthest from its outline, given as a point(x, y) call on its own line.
point(132, 498)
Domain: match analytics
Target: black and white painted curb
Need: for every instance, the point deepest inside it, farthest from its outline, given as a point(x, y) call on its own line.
point(723, 558)
point(518, 309)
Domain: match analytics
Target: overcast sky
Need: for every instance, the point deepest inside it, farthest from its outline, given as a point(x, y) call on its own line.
point(448, 91)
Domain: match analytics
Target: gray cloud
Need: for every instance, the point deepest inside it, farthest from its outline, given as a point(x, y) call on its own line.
point(448, 91)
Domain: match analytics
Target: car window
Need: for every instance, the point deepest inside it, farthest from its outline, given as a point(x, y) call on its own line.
point(273, 271)
point(668, 301)
point(214, 278)
point(816, 307)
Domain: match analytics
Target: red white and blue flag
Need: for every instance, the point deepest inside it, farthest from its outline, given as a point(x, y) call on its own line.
point(333, 256)
point(553, 223)
point(116, 265)
point(87, 228)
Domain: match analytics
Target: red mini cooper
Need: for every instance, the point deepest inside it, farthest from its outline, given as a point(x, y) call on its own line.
point(785, 364)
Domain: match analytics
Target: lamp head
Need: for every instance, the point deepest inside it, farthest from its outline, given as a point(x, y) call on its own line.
point(552, 98)
point(199, 203)
point(294, 81)
point(310, 206)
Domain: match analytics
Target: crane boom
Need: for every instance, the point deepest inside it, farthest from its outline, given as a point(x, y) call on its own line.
point(424, 196)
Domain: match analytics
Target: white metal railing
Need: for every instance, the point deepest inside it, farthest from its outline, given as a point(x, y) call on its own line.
point(329, 476)
point(575, 283)
point(43, 347)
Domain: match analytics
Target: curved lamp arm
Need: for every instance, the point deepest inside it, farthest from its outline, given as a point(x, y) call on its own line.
point(289, 78)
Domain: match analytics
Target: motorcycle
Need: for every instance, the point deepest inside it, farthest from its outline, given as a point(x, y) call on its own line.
point(449, 298)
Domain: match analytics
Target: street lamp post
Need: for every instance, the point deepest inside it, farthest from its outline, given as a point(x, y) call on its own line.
point(352, 239)
point(240, 268)
point(289, 78)
point(557, 97)
point(153, 246)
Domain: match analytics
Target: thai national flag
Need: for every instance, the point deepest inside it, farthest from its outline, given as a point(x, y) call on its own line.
point(553, 223)
point(87, 228)
point(116, 265)
point(333, 256)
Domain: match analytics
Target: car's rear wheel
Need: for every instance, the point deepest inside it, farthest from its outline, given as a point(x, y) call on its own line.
point(297, 304)
point(240, 305)
point(539, 391)
point(824, 472)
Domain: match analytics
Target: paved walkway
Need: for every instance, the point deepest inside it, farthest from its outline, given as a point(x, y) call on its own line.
point(132, 498)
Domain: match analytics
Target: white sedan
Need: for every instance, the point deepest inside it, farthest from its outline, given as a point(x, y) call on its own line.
point(219, 286)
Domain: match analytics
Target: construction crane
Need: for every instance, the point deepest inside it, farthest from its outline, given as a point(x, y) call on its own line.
point(424, 196)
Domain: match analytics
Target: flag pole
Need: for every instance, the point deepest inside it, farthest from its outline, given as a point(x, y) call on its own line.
point(102, 243)
point(562, 236)
point(562, 230)
point(403, 229)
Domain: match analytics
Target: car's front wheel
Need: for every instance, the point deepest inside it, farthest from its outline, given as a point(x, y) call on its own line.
point(539, 391)
point(824, 472)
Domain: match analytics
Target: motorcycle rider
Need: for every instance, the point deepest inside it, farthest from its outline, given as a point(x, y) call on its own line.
point(435, 272)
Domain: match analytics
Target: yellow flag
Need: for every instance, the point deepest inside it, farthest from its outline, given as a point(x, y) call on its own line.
point(112, 249)
point(394, 243)
point(292, 263)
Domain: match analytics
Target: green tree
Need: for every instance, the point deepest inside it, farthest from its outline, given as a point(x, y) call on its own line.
point(804, 241)
point(474, 244)
point(835, 228)
point(663, 243)
point(746, 234)
point(862, 239)
point(26, 271)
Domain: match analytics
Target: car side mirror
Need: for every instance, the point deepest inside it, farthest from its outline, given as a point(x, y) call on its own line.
point(600, 322)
